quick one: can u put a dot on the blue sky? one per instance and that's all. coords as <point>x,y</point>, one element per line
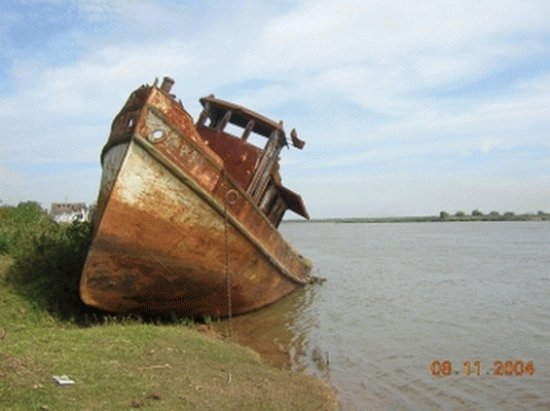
<point>407,108</point>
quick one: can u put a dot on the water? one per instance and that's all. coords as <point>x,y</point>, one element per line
<point>399,297</point>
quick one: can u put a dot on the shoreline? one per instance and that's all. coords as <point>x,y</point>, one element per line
<point>426,219</point>
<point>125,363</point>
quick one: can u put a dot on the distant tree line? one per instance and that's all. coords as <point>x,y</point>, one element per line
<point>493,216</point>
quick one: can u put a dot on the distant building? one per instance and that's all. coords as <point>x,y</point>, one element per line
<point>69,212</point>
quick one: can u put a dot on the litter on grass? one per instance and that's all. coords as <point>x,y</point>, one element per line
<point>63,380</point>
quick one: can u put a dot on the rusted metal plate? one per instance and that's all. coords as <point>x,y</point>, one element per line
<point>239,158</point>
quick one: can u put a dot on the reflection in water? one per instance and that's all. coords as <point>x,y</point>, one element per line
<point>279,333</point>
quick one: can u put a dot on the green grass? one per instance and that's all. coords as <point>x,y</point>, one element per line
<point>127,364</point>
<point>19,225</point>
<point>118,363</point>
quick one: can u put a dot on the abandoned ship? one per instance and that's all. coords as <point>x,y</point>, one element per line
<point>187,213</point>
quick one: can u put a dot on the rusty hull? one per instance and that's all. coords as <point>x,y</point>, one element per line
<point>173,229</point>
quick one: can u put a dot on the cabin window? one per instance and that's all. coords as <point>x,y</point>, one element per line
<point>222,122</point>
<point>233,130</point>
<point>257,140</point>
<point>237,132</point>
<point>211,122</point>
<point>277,210</point>
<point>266,203</point>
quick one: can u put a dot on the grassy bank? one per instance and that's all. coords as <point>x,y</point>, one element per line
<point>117,363</point>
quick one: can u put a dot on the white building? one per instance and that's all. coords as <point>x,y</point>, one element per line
<point>69,212</point>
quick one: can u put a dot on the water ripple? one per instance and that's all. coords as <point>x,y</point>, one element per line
<point>400,296</point>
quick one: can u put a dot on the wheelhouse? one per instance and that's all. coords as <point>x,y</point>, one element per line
<point>228,129</point>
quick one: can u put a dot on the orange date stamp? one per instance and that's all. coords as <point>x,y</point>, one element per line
<point>500,368</point>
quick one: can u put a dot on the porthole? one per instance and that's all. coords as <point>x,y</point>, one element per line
<point>156,135</point>
<point>231,197</point>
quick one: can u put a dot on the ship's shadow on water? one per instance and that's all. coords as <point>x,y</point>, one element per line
<point>279,332</point>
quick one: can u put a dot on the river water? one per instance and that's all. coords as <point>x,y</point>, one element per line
<point>405,306</point>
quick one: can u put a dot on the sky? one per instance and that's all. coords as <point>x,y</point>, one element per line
<point>406,107</point>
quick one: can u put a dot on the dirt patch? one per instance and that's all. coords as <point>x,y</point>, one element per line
<point>209,331</point>
<point>142,402</point>
<point>10,364</point>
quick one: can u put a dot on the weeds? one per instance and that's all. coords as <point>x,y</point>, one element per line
<point>47,268</point>
<point>19,225</point>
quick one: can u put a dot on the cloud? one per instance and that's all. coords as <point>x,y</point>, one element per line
<point>70,106</point>
<point>394,88</point>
